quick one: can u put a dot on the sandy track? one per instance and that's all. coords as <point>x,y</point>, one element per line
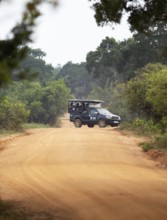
<point>83,174</point>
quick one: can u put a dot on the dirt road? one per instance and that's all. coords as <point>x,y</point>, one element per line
<point>83,174</point>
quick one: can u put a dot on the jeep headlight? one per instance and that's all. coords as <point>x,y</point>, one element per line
<point>108,116</point>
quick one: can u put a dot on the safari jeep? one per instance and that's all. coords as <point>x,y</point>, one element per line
<point>90,113</point>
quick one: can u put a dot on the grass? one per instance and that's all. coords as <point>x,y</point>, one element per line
<point>34,125</point>
<point>39,125</point>
<point>5,133</point>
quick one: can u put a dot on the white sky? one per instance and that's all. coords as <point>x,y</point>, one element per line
<point>65,33</point>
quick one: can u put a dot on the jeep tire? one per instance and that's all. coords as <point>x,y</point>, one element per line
<point>102,123</point>
<point>77,123</point>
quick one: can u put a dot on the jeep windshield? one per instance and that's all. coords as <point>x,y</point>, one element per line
<point>103,111</point>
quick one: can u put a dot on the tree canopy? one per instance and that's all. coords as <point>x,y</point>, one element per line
<point>14,49</point>
<point>118,60</point>
<point>76,78</point>
<point>141,14</point>
<point>36,66</point>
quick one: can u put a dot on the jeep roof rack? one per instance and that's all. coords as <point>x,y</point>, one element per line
<point>85,100</point>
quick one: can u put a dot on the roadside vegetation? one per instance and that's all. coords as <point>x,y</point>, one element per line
<point>131,78</point>
<point>40,101</point>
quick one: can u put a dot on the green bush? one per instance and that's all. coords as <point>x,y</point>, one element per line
<point>147,146</point>
<point>147,93</point>
<point>161,141</point>
<point>146,127</point>
<point>163,125</point>
<point>12,115</point>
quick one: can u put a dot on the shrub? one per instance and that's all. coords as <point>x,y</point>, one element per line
<point>163,125</point>
<point>147,146</point>
<point>143,126</point>
<point>161,141</point>
<point>12,115</point>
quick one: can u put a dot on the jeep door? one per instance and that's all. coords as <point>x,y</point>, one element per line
<point>85,116</point>
<point>93,114</point>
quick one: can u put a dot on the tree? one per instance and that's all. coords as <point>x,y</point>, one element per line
<point>141,14</point>
<point>37,53</point>
<point>157,91</point>
<point>107,53</point>
<point>36,66</point>
<point>54,100</point>
<point>14,49</point>
<point>154,42</point>
<point>146,93</point>
<point>118,60</point>
<point>113,61</point>
<point>76,78</point>
<point>105,60</point>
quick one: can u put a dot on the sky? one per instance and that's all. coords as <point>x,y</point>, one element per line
<point>66,32</point>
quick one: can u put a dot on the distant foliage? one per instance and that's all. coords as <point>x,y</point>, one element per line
<point>35,66</point>
<point>114,99</point>
<point>45,103</point>
<point>76,78</point>
<point>116,61</point>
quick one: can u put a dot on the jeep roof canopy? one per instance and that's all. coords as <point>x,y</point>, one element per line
<point>75,104</point>
<point>85,100</point>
